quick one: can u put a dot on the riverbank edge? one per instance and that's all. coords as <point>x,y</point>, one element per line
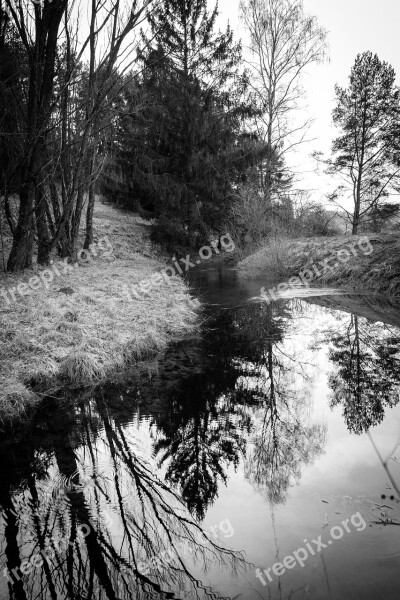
<point>81,327</point>
<point>368,262</point>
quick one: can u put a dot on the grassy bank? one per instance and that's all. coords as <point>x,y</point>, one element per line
<point>372,265</point>
<point>82,329</point>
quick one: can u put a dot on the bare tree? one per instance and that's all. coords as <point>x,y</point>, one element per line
<point>38,28</point>
<point>283,43</point>
<point>109,49</point>
<point>59,144</point>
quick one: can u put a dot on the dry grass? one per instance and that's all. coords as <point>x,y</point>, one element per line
<point>272,258</point>
<point>378,272</point>
<point>52,339</point>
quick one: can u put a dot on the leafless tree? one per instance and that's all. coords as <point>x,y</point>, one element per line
<point>284,41</point>
<point>45,29</point>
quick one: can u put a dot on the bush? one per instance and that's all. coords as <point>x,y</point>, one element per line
<point>171,235</point>
<point>312,220</point>
<point>249,222</point>
<point>254,223</point>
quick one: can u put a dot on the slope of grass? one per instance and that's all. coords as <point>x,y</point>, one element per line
<point>377,271</point>
<point>83,329</point>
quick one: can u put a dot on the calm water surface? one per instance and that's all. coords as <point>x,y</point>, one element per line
<point>260,459</point>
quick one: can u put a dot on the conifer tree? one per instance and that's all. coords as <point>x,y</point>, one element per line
<point>367,152</point>
<point>189,144</point>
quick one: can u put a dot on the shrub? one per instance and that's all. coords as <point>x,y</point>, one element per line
<point>249,222</point>
<point>171,235</point>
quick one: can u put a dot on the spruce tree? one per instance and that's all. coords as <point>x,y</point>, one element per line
<point>189,144</point>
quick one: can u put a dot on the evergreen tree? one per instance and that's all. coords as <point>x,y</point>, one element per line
<point>184,151</point>
<point>367,153</point>
<point>13,73</point>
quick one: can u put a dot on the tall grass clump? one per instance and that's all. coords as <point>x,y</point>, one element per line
<point>273,258</point>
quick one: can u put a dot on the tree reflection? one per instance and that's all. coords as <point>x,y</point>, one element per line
<point>140,543</point>
<point>283,442</point>
<point>198,452</point>
<point>241,394</point>
<point>367,377</point>
<point>203,431</point>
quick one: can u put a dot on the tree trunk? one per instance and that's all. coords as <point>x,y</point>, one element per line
<point>76,221</point>
<point>7,210</point>
<point>44,239</point>
<point>42,54</point>
<point>21,255</point>
<point>357,205</point>
<point>91,203</point>
<point>89,218</point>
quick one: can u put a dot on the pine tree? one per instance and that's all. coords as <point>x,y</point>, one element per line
<point>367,153</point>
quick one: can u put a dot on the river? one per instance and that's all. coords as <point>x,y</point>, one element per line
<point>258,459</point>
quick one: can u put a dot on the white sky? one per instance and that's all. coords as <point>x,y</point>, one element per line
<point>353,26</point>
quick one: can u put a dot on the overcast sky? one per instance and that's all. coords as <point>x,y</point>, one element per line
<point>353,26</point>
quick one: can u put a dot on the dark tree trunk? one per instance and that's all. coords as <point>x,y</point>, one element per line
<point>91,203</point>
<point>89,217</point>
<point>21,255</point>
<point>76,221</point>
<point>42,56</point>
<point>7,210</point>
<point>44,240</point>
<point>356,218</point>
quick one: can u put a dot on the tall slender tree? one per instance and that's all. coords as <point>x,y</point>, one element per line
<point>367,151</point>
<point>284,42</point>
<point>13,72</point>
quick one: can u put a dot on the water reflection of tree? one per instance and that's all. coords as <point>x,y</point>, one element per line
<point>283,442</point>
<point>199,449</point>
<point>240,395</point>
<point>367,379</point>
<point>135,519</point>
<point>235,397</point>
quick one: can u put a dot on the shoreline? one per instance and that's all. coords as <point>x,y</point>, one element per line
<point>75,328</point>
<point>354,263</point>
